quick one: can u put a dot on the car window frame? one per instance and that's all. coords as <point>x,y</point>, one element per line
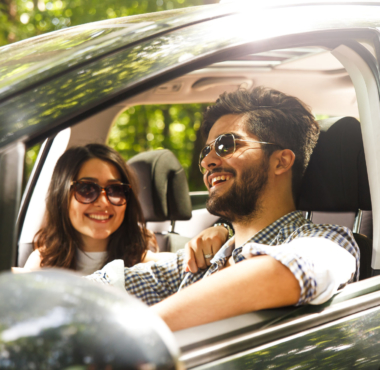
<point>11,173</point>
<point>329,38</point>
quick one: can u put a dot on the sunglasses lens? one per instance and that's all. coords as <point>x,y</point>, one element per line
<point>204,153</point>
<point>225,145</point>
<point>86,192</point>
<point>117,194</point>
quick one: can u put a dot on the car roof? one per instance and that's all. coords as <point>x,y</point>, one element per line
<point>34,59</point>
<point>145,49</point>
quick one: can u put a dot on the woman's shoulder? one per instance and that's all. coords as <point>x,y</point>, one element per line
<point>34,260</point>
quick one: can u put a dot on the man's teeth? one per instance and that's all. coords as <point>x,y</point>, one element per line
<point>219,178</point>
<point>100,217</point>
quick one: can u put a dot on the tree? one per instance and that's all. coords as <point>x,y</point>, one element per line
<point>20,19</point>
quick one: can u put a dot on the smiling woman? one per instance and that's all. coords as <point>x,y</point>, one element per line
<point>92,213</point>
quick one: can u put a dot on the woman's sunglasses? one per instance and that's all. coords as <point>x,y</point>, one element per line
<point>225,147</point>
<point>88,192</point>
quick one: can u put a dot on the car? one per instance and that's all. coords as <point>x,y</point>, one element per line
<point>68,87</point>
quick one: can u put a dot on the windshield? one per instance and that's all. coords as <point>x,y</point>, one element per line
<point>29,61</point>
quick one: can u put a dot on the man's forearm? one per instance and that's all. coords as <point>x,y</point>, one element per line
<point>251,285</point>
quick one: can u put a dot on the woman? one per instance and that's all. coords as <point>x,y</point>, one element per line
<point>92,214</point>
<point>93,217</point>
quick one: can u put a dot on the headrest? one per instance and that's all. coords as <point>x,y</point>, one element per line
<point>336,179</point>
<point>164,192</point>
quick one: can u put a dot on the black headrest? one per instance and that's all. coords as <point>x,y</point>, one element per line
<point>164,192</point>
<point>336,179</point>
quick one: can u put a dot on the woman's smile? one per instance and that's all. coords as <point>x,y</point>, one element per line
<point>99,217</point>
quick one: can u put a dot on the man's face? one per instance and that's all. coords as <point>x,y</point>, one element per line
<point>235,184</point>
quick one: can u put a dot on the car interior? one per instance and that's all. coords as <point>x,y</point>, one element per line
<point>336,188</point>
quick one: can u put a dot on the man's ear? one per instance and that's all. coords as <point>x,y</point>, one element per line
<point>283,161</point>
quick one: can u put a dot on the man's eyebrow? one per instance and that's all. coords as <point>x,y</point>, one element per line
<point>237,136</point>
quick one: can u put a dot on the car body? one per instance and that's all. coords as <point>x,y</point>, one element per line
<point>67,88</point>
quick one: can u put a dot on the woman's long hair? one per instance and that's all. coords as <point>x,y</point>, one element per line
<point>57,240</point>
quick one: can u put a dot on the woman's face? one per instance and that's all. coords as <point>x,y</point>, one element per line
<point>98,220</point>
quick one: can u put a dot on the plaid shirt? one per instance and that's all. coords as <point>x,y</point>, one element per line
<point>154,281</point>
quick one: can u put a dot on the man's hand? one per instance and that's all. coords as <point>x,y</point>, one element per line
<point>200,250</point>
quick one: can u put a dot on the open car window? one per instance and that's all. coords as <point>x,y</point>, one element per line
<point>331,69</point>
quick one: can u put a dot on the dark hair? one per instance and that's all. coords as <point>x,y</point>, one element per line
<point>273,117</point>
<point>57,240</point>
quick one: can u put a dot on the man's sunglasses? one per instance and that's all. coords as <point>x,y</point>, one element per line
<point>225,147</point>
<point>88,192</point>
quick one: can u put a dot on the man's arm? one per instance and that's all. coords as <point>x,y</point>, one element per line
<point>251,285</point>
<point>306,270</point>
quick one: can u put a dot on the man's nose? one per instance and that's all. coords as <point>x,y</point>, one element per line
<point>211,161</point>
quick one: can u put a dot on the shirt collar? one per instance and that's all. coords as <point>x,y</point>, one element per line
<point>284,226</point>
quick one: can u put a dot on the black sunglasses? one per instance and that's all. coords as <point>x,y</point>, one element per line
<point>87,192</point>
<point>225,147</point>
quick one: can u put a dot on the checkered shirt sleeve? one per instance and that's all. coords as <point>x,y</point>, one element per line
<point>303,269</point>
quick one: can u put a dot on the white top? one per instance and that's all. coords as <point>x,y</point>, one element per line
<point>89,262</point>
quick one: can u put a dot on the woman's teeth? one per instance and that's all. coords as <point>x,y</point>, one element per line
<point>219,179</point>
<point>100,217</point>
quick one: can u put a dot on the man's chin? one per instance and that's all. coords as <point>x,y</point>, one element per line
<point>215,208</point>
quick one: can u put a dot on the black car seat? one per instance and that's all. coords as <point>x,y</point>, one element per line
<point>163,193</point>
<point>336,179</point>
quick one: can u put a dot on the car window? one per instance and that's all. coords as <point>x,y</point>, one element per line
<point>171,126</point>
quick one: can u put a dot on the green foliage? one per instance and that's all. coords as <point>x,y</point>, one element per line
<point>30,159</point>
<point>174,127</point>
<point>20,19</point>
<point>318,117</point>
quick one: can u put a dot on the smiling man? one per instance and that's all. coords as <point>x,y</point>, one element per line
<point>258,146</point>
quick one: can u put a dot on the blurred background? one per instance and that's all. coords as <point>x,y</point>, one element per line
<point>21,19</point>
<point>140,128</point>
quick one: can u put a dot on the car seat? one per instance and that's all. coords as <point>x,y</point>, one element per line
<point>336,179</point>
<point>163,193</point>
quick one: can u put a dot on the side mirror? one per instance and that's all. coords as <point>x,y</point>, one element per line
<point>54,319</point>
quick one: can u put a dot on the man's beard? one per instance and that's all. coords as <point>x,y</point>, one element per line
<point>241,202</point>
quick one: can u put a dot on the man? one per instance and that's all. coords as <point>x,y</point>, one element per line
<point>258,147</point>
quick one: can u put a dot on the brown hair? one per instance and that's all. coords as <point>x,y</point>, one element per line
<point>57,240</point>
<point>273,117</point>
